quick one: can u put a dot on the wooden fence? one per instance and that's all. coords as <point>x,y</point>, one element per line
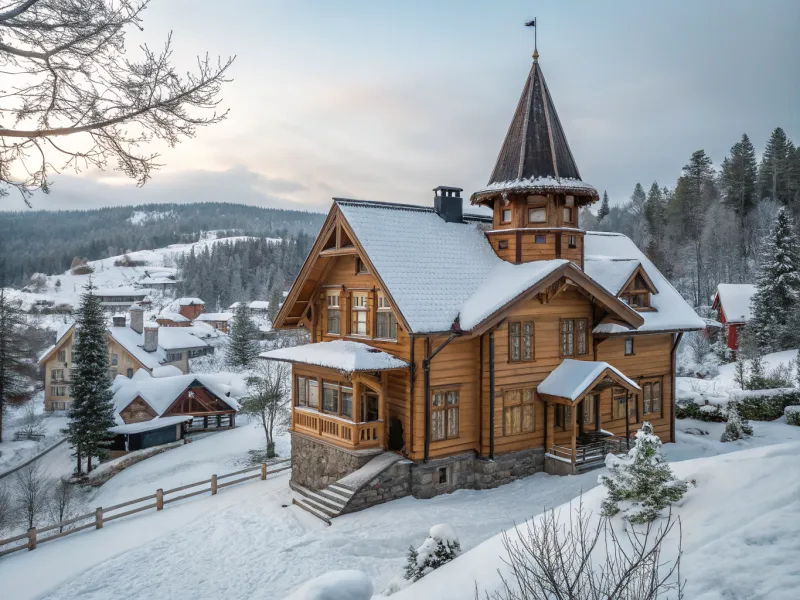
<point>101,515</point>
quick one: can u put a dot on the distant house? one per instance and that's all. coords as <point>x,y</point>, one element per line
<point>256,306</point>
<point>139,345</point>
<point>172,319</point>
<point>732,303</point>
<point>121,297</point>
<point>218,321</point>
<point>189,307</point>
<point>158,280</point>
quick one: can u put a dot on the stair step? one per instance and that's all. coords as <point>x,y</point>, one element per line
<point>335,505</point>
<point>319,507</point>
<point>340,489</point>
<point>333,497</point>
<point>309,509</point>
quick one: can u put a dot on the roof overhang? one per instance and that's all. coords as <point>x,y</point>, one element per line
<point>573,380</point>
<point>339,355</point>
<point>584,192</point>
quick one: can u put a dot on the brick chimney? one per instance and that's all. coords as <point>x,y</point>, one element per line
<point>448,204</point>
<point>150,336</point>
<point>137,317</point>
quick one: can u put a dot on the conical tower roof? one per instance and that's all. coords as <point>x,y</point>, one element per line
<point>535,155</point>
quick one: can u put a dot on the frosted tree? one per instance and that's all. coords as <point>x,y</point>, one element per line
<point>774,170</point>
<point>639,231</point>
<point>12,356</point>
<point>739,190</point>
<point>92,411</point>
<point>243,347</point>
<point>275,300</point>
<point>777,297</point>
<point>604,209</point>
<point>736,428</point>
<point>440,547</point>
<point>797,368</point>
<point>269,390</point>
<point>640,485</point>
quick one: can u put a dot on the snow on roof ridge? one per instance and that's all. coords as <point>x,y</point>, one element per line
<point>402,206</point>
<point>572,377</point>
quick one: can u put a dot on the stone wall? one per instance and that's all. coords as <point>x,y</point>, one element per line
<point>316,464</point>
<point>553,466</point>
<point>393,483</point>
<point>508,467</point>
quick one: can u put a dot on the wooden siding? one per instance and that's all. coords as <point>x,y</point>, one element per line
<point>137,411</point>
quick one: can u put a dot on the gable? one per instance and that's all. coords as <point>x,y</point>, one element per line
<point>63,338</point>
<point>197,399</point>
<point>137,411</point>
<point>638,281</point>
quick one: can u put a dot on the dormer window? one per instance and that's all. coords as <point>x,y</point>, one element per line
<point>638,290</point>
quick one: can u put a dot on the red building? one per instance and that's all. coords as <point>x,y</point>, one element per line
<point>732,303</point>
<point>190,308</point>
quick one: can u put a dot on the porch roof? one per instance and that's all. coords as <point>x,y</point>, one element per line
<point>572,379</point>
<point>340,355</point>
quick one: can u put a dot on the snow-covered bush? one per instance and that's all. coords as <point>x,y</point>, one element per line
<point>696,358</point>
<point>792,415</point>
<point>640,485</point>
<point>440,547</point>
<point>336,585</point>
<point>688,409</point>
<point>736,427</point>
<point>765,405</point>
<point>761,378</point>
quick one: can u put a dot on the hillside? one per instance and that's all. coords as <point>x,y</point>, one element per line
<point>46,241</point>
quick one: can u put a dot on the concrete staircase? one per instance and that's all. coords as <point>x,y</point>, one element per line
<point>323,504</point>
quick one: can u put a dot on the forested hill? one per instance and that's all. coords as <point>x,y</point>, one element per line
<point>46,242</point>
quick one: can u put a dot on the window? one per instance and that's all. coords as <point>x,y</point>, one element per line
<point>313,393</point>
<point>444,415</point>
<point>618,403</point>
<point>59,405</point>
<point>628,346</point>
<point>651,398</point>
<point>442,475</point>
<point>571,242</point>
<point>568,214</point>
<point>347,402</point>
<point>519,414</point>
<point>588,409</point>
<point>301,392</point>
<point>369,407</point>
<point>502,244</point>
<point>114,360</point>
<point>387,324</point>
<point>129,373</point>
<point>359,312</point>
<point>540,239</point>
<point>537,214</point>
<point>563,416</point>
<point>361,268</point>
<point>62,355</point>
<point>505,215</point>
<point>330,397</point>
<point>574,337</point>
<point>333,313</point>
<point>57,374</point>
<point>174,356</point>
<point>520,341</point>
<point>58,390</point>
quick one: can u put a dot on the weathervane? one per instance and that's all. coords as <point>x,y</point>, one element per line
<point>535,50</point>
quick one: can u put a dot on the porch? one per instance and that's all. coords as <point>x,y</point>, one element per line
<point>577,429</point>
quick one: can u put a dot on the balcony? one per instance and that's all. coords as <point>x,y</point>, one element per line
<point>348,434</point>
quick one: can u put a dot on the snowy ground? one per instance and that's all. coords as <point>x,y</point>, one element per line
<point>244,543</point>
<point>14,453</point>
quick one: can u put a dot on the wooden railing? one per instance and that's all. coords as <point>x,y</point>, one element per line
<point>103,515</point>
<point>341,432</point>
<point>590,452</point>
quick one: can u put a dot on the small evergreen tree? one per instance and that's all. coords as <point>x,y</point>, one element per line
<point>736,428</point>
<point>92,412</point>
<point>243,348</point>
<point>604,209</point>
<point>440,547</point>
<point>12,357</point>
<point>777,297</point>
<point>275,299</point>
<point>740,373</point>
<point>757,373</point>
<point>642,484</point>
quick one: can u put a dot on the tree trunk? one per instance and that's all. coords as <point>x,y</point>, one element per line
<point>80,466</point>
<point>89,464</point>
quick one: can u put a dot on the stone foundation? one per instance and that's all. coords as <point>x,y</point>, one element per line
<point>393,483</point>
<point>316,464</point>
<point>554,466</point>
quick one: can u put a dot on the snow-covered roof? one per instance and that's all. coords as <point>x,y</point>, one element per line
<point>430,267</point>
<point>603,253</point>
<point>132,342</point>
<point>201,330</point>
<point>151,425</point>
<point>612,273</point>
<point>63,330</point>
<point>177,338</point>
<point>341,355</point>
<point>188,301</point>
<point>121,291</point>
<point>222,316</point>
<point>173,316</point>
<point>539,185</point>
<point>735,300</point>
<point>160,392</point>
<point>166,371</point>
<point>572,377</point>
<point>259,304</point>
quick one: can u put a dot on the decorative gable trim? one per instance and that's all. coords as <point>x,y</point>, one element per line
<point>645,277</point>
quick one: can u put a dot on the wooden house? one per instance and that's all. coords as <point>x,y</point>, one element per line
<point>219,321</point>
<point>732,303</point>
<point>482,348</point>
<point>172,319</point>
<point>190,308</point>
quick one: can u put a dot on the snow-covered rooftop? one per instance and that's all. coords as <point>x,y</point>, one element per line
<point>602,262</point>
<point>540,184</point>
<point>132,342</point>
<point>151,425</point>
<point>221,316</point>
<point>177,338</point>
<point>121,291</point>
<point>187,301</point>
<point>735,299</point>
<point>173,316</point>
<point>572,377</point>
<point>341,355</point>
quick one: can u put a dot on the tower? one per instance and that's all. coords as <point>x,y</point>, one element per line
<point>535,190</point>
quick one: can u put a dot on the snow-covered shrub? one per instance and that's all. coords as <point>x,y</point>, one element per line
<point>736,427</point>
<point>640,485</point>
<point>440,547</point>
<point>761,378</point>
<point>336,585</point>
<point>766,405</point>
<point>687,409</point>
<point>696,358</point>
<point>792,415</point>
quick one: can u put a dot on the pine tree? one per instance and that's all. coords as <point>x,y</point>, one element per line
<point>12,359</point>
<point>243,347</point>
<point>92,411</point>
<point>777,296</point>
<point>275,300</point>
<point>738,182</point>
<point>604,209</point>
<point>774,170</point>
<point>736,428</point>
<point>642,484</point>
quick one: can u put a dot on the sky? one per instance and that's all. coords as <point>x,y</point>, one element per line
<point>387,100</point>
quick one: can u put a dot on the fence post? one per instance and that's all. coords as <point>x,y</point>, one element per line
<point>98,518</point>
<point>159,499</point>
<point>213,484</point>
<point>263,471</point>
<point>32,538</point>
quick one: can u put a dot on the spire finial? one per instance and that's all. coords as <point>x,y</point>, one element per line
<point>535,49</point>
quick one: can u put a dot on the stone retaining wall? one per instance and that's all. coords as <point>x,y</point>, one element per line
<point>393,483</point>
<point>316,464</point>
